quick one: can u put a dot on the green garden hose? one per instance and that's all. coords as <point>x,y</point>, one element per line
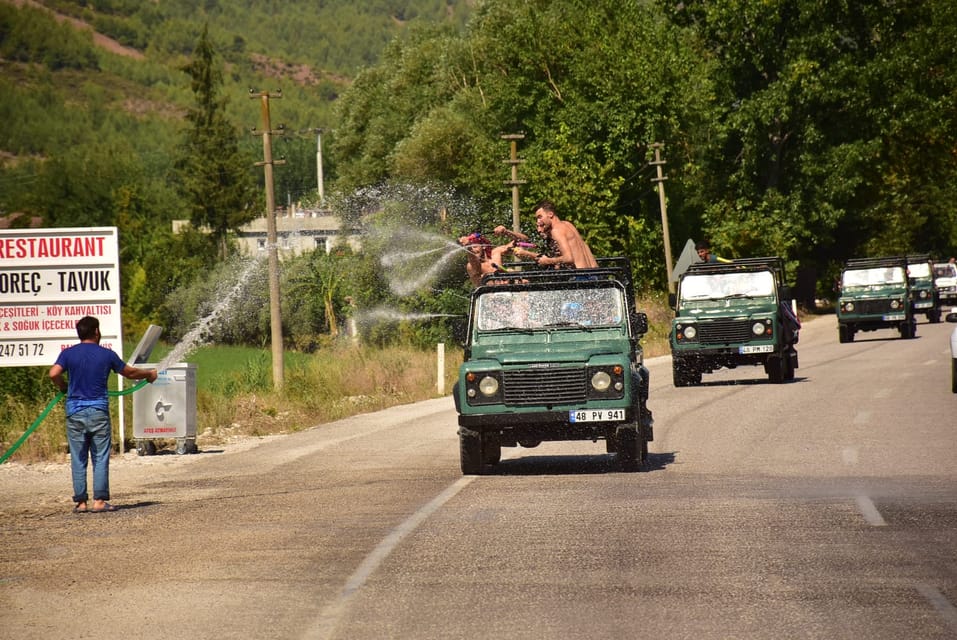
<point>43,415</point>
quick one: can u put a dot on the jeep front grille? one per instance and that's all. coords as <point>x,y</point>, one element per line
<point>545,386</point>
<point>724,331</point>
<point>872,307</point>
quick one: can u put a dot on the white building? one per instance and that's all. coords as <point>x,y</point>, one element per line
<point>297,231</point>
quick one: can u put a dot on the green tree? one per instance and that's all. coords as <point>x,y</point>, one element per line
<point>214,177</point>
<point>837,126</point>
<point>591,85</point>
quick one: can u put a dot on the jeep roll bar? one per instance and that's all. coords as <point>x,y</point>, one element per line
<point>521,273</point>
<point>869,263</point>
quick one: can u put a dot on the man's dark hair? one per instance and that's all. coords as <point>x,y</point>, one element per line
<point>86,327</point>
<point>547,205</point>
<point>702,244</point>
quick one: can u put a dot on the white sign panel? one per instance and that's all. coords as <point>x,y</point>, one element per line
<point>49,279</point>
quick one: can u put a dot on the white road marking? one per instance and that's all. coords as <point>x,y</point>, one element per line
<point>849,455</point>
<point>943,606</point>
<point>870,512</point>
<point>326,623</point>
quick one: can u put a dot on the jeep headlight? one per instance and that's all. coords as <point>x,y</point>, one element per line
<point>483,387</point>
<point>895,304</point>
<point>690,332</point>
<point>607,382</point>
<point>488,386</point>
<point>923,293</point>
<point>758,328</point>
<point>601,381</point>
<point>849,306</point>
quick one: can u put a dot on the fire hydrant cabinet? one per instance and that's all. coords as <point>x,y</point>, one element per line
<point>166,410</point>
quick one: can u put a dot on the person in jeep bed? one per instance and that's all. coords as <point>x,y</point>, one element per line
<point>565,248</point>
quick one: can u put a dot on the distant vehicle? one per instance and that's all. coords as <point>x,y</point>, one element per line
<point>945,277</point>
<point>733,314</point>
<point>925,298</point>
<point>875,294</point>
<point>952,317</point>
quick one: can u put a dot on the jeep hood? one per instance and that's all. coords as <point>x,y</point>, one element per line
<point>546,347</point>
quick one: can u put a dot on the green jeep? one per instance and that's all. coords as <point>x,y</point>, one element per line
<point>925,298</point>
<point>875,294</point>
<point>554,355</point>
<point>733,314</point>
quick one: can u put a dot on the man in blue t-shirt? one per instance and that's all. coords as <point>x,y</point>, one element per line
<point>88,427</point>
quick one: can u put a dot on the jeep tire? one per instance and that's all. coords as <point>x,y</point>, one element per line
<point>632,448</point>
<point>845,333</point>
<point>491,449</point>
<point>683,374</point>
<point>908,329</point>
<point>470,452</point>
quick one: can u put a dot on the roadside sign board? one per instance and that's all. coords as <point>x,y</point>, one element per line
<point>49,279</point>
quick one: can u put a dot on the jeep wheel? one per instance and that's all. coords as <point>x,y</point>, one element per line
<point>845,333</point>
<point>491,449</point>
<point>684,376</point>
<point>627,445</point>
<point>774,367</point>
<point>470,453</point>
<point>789,364</point>
<point>933,316</point>
<point>632,448</point>
<point>953,375</point>
<point>908,329</point>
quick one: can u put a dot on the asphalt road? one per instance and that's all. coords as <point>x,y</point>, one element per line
<point>821,508</point>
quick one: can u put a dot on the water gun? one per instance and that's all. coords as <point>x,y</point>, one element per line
<point>525,245</point>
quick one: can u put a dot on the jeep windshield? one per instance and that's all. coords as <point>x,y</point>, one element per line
<point>945,270</point>
<point>532,309</point>
<point>874,277</point>
<point>919,271</point>
<point>720,286</point>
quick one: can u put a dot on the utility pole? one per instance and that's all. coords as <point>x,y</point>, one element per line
<point>660,180</point>
<point>322,192</point>
<point>514,160</point>
<point>275,314</point>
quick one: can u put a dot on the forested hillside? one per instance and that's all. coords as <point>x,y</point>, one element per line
<point>96,100</point>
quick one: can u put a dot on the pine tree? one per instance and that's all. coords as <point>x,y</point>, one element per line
<point>213,176</point>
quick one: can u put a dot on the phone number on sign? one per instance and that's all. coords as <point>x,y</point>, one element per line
<point>21,349</point>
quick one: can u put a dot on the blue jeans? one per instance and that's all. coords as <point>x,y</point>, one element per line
<point>91,436</point>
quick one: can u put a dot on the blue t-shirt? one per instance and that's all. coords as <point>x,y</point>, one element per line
<point>88,367</point>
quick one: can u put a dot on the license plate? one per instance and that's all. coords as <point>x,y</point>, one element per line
<point>596,415</point>
<point>890,317</point>
<point>756,348</point>
<point>923,305</point>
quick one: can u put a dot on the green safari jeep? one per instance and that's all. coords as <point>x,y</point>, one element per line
<point>733,314</point>
<point>875,294</point>
<point>553,355</point>
<point>925,297</point>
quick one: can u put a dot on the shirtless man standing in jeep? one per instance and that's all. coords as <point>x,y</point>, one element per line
<point>564,241</point>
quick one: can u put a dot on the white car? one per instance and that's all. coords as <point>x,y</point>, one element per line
<point>945,277</point>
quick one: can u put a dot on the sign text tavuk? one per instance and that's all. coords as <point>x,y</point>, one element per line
<point>49,279</point>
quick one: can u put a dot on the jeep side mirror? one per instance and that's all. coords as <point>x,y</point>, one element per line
<point>639,324</point>
<point>785,292</point>
<point>672,300</point>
